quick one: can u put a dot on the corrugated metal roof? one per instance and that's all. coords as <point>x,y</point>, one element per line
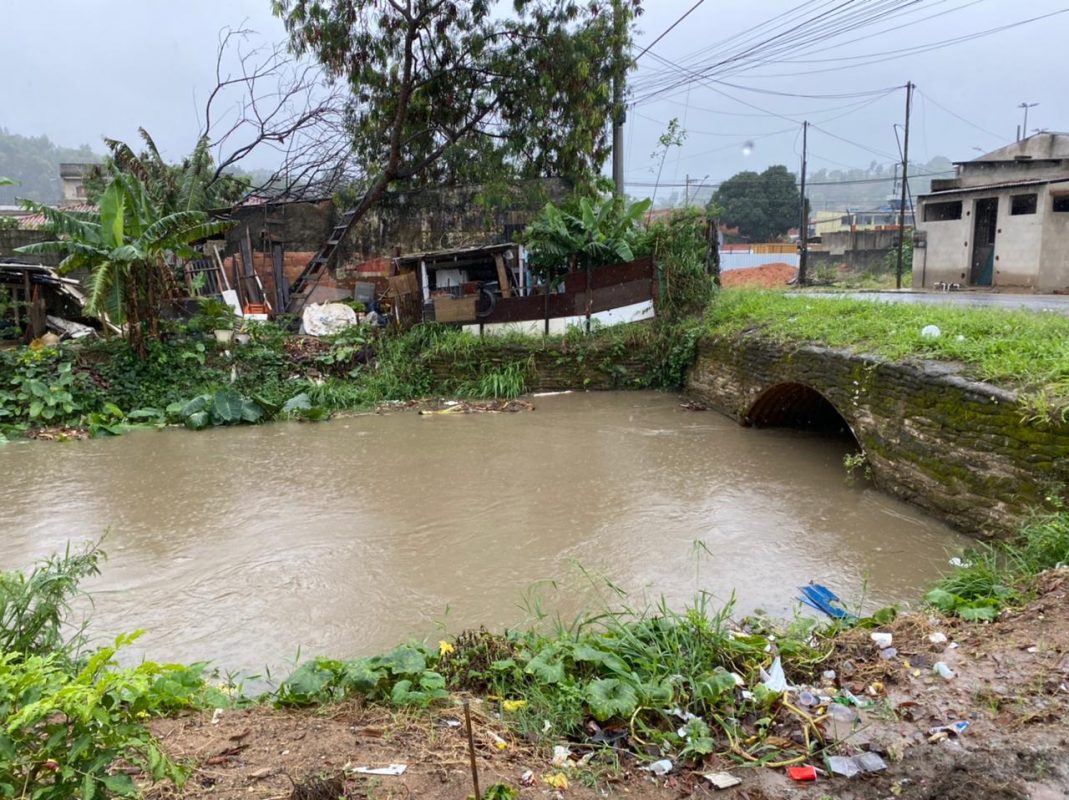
<point>988,187</point>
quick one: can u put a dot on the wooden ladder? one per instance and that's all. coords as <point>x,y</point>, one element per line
<point>302,288</point>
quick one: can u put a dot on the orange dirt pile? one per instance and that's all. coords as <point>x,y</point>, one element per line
<point>768,276</point>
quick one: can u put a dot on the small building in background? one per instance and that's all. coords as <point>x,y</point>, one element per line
<point>72,181</point>
<point>1002,222</point>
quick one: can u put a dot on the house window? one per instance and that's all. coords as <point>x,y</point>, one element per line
<point>939,212</point>
<point>1060,204</point>
<point>1023,204</point>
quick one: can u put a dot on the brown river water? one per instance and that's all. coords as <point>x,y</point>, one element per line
<point>342,538</point>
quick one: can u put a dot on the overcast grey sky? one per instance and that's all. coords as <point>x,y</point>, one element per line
<point>81,69</point>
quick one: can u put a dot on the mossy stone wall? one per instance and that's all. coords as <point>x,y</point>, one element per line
<point>551,368</point>
<point>958,448</point>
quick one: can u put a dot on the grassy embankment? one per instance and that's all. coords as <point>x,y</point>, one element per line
<point>1021,350</point>
<point>103,388</point>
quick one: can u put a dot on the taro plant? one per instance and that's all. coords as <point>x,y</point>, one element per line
<point>225,407</point>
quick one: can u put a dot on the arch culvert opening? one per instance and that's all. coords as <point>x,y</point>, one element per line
<point>795,405</point>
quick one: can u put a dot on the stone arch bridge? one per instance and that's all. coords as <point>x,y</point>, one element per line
<point>962,450</point>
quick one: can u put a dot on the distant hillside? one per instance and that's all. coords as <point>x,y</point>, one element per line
<point>864,189</point>
<point>34,162</point>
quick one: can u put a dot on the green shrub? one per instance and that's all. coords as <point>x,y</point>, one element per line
<point>64,732</point>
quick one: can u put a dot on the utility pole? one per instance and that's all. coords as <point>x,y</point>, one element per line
<point>1024,129</point>
<point>905,180</point>
<point>803,226</point>
<point>619,19</point>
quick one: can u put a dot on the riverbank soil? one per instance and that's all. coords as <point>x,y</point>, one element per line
<point>1010,684</point>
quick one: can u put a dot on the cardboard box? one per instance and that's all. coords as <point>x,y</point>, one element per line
<point>455,309</point>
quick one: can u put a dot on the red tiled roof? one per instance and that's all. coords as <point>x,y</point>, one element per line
<point>36,222</point>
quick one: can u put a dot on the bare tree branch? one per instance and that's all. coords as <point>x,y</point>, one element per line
<point>267,102</point>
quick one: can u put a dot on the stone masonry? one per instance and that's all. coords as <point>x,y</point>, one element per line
<point>960,449</point>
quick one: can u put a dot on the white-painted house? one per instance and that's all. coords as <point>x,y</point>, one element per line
<point>1003,221</point>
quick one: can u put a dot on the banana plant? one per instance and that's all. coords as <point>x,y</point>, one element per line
<point>127,245</point>
<point>584,234</point>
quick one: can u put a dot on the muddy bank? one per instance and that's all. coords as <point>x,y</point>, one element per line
<point>1010,686</point>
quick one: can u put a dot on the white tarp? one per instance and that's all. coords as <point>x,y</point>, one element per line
<point>327,319</point>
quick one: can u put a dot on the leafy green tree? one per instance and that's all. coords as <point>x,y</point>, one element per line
<point>127,245</point>
<point>764,206</point>
<point>445,91</point>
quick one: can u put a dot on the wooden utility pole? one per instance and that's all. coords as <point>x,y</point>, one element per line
<point>905,183</point>
<point>619,19</point>
<point>803,225</point>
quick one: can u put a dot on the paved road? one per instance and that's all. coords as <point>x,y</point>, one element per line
<point>1057,304</point>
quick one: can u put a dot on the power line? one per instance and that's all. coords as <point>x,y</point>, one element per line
<point>929,98</point>
<point>669,30</point>
<point>854,182</point>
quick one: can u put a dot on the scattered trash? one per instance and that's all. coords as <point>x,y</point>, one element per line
<point>67,329</point>
<point>1032,649</point>
<point>889,653</point>
<point>806,773</point>
<point>958,562</point>
<point>823,599</point>
<point>499,743</point>
<point>937,638</point>
<point>953,729</point>
<point>557,780</point>
<point>774,680</point>
<point>882,640</point>
<point>807,698</point>
<point>841,713</point>
<point>550,394</point>
<point>560,756</point>
<point>870,762</point>
<point>659,768</point>
<point>931,332</point>
<point>722,780</point>
<point>828,674</point>
<point>843,766</point>
<point>940,668</point>
<point>393,770</point>
<point>216,716</point>
<point>451,723</point>
<point>852,698</point>
<point>527,778</point>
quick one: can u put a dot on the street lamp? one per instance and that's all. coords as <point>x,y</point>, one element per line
<point>1026,106</point>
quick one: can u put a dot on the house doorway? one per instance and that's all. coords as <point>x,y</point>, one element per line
<point>985,213</point>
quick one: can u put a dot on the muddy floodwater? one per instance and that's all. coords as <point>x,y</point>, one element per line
<point>342,538</point>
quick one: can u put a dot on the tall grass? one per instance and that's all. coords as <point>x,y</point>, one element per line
<point>34,607</point>
<point>997,575</point>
